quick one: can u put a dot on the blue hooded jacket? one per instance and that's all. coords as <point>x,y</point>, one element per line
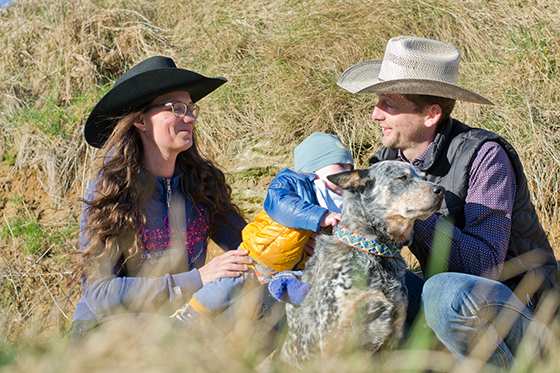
<point>291,201</point>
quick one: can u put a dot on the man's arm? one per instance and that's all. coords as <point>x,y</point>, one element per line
<point>480,247</point>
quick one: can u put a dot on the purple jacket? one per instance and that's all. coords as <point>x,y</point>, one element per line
<point>165,273</point>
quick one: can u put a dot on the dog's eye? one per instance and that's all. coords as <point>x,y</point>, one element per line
<point>403,177</point>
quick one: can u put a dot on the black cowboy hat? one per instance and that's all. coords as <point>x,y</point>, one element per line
<point>140,85</point>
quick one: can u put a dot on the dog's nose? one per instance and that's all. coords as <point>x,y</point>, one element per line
<point>437,190</point>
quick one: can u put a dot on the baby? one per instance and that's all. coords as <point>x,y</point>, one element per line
<point>297,204</point>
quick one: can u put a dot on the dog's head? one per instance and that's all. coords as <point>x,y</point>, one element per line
<point>387,196</point>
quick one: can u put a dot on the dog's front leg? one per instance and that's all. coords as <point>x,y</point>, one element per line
<point>373,320</point>
<point>399,318</point>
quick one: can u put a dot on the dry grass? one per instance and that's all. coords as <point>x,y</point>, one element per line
<point>282,59</point>
<point>155,345</point>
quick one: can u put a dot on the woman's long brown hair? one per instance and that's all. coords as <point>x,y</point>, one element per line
<point>114,213</point>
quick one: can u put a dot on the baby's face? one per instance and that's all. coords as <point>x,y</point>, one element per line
<point>332,169</point>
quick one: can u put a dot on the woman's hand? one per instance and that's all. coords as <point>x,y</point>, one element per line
<point>309,247</point>
<point>229,264</point>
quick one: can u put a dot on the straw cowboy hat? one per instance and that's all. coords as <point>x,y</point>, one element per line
<point>411,65</point>
<point>140,85</point>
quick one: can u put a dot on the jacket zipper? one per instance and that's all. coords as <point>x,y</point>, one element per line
<point>168,192</point>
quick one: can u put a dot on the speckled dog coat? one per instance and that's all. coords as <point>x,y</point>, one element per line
<point>358,296</point>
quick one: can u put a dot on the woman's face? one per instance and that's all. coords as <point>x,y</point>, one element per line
<point>163,134</point>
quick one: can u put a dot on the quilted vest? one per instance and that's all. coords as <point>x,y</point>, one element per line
<point>448,163</point>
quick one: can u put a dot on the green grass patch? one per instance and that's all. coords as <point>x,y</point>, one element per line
<point>47,117</point>
<point>16,199</point>
<point>9,158</point>
<point>34,237</point>
<point>28,229</point>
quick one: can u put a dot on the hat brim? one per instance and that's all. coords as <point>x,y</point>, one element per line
<point>364,78</point>
<point>141,90</point>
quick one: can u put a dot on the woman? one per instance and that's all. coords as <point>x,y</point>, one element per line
<point>155,201</point>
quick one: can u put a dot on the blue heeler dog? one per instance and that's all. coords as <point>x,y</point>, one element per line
<point>357,294</point>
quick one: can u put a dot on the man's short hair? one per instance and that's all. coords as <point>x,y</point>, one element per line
<point>421,102</point>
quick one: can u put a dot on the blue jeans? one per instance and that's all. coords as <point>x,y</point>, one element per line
<point>478,317</point>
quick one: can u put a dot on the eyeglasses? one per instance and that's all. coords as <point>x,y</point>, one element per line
<point>180,109</point>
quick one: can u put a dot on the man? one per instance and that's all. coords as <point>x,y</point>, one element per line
<point>493,259</point>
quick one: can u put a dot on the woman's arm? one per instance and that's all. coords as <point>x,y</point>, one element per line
<point>105,292</point>
<point>113,294</point>
<point>228,234</point>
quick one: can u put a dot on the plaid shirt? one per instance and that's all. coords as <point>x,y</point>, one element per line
<point>480,247</point>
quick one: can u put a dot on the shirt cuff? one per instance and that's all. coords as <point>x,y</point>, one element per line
<point>185,284</point>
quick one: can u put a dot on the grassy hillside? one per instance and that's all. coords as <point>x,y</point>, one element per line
<point>282,59</point>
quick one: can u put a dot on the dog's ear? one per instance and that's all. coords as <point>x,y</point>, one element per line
<point>351,180</point>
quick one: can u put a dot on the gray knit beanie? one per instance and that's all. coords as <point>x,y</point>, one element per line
<point>320,150</point>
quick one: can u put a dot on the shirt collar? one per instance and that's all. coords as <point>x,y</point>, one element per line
<point>418,161</point>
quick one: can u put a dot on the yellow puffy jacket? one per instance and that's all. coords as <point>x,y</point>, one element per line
<point>273,245</point>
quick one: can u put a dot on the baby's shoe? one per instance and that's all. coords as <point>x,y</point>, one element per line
<point>287,287</point>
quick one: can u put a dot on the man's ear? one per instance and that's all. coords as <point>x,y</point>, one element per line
<point>351,180</point>
<point>433,115</point>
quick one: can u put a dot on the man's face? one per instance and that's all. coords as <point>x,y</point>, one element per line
<point>403,127</point>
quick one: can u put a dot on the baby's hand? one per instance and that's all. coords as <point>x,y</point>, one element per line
<point>330,218</point>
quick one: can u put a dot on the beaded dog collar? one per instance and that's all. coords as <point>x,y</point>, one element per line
<point>363,243</point>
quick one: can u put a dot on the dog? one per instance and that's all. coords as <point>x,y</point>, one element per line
<point>358,295</point>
